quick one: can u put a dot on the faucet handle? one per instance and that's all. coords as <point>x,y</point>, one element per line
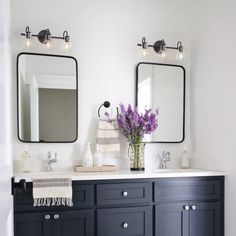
<point>166,155</point>
<point>49,154</point>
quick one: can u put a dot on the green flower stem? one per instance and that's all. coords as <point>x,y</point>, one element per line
<point>137,150</point>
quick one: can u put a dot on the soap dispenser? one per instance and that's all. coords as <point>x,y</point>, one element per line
<point>88,158</point>
<point>185,160</point>
<point>97,157</point>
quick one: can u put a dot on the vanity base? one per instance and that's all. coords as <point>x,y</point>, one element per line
<point>185,206</point>
<point>137,169</point>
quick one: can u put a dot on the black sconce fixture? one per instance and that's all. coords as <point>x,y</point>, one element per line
<point>45,37</point>
<point>160,48</point>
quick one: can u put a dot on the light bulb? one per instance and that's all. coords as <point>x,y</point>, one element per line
<point>163,54</point>
<point>48,44</point>
<point>67,45</point>
<point>180,56</point>
<point>28,42</point>
<point>144,52</point>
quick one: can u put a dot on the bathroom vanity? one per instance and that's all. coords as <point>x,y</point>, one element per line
<point>168,203</point>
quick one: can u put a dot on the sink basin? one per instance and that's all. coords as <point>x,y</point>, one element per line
<point>47,174</point>
<point>173,170</point>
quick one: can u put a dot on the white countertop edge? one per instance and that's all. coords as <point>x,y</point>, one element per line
<point>120,174</point>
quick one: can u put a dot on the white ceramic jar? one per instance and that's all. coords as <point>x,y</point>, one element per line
<point>88,158</point>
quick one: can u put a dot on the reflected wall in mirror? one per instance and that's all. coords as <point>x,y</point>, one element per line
<point>162,87</point>
<point>47,98</point>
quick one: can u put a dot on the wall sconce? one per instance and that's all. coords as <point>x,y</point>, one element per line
<point>45,37</point>
<point>160,48</point>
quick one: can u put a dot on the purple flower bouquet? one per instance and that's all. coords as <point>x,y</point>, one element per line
<point>134,125</point>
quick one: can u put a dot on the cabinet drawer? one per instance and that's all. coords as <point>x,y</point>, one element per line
<point>83,196</point>
<point>187,189</point>
<point>125,221</point>
<point>125,193</point>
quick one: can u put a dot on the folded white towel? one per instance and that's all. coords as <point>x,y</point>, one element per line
<point>108,136</point>
<point>52,191</point>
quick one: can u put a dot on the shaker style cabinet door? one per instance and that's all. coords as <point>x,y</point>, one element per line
<point>67,223</point>
<point>135,221</point>
<point>171,220</point>
<point>73,223</point>
<point>196,219</point>
<point>32,224</point>
<point>205,219</point>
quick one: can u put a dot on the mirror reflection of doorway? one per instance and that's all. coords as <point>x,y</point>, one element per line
<point>47,98</point>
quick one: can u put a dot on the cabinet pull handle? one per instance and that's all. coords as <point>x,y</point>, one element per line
<point>125,193</point>
<point>125,225</point>
<point>47,217</point>
<point>186,207</point>
<point>56,216</point>
<point>193,207</point>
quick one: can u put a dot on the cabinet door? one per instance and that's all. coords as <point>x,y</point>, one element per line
<point>135,221</point>
<point>205,219</point>
<point>73,223</point>
<point>36,224</point>
<point>171,220</point>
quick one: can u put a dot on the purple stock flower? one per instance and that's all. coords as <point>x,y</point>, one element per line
<point>135,125</point>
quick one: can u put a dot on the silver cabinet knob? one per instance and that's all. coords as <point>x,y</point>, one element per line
<point>125,225</point>
<point>125,193</point>
<point>47,217</point>
<point>56,216</point>
<point>193,207</point>
<point>186,207</point>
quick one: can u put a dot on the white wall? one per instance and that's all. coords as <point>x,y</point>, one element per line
<point>104,35</point>
<point>5,122</point>
<point>213,99</point>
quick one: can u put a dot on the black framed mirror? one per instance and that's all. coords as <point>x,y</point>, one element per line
<point>162,87</point>
<point>47,98</point>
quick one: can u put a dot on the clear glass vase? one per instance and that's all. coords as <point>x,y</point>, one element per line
<point>136,155</point>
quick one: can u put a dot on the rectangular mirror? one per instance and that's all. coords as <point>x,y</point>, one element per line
<point>47,98</point>
<point>162,87</point>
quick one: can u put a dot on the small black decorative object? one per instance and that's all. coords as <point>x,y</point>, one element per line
<point>106,104</point>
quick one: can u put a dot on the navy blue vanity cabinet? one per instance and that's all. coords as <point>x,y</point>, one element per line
<point>171,220</point>
<point>189,206</point>
<point>60,223</point>
<point>73,223</point>
<point>32,224</point>
<point>181,220</point>
<point>55,221</point>
<point>205,219</point>
<point>130,208</point>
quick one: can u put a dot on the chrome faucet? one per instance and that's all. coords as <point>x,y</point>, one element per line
<point>165,157</point>
<point>51,160</point>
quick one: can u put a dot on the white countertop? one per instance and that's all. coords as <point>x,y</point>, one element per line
<point>169,173</point>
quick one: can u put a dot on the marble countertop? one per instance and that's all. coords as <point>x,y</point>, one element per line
<point>169,173</point>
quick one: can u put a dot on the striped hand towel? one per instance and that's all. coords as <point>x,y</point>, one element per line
<point>52,191</point>
<point>108,136</point>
